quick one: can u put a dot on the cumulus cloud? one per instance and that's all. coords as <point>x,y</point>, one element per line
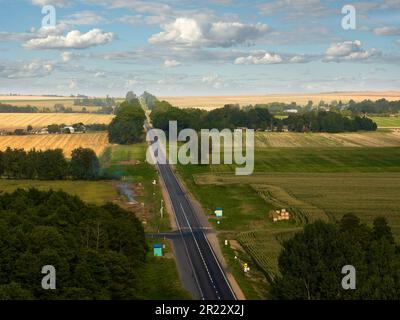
<point>200,32</point>
<point>171,63</point>
<point>349,50</point>
<point>266,58</point>
<point>260,57</point>
<point>73,40</point>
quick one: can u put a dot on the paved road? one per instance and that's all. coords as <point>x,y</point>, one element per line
<point>210,279</point>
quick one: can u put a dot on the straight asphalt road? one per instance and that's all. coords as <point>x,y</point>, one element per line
<point>210,280</point>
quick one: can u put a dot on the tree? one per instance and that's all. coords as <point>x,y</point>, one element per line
<point>130,96</point>
<point>84,164</point>
<point>127,126</point>
<point>310,263</point>
<point>382,230</point>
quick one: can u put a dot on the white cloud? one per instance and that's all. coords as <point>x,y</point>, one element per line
<point>171,63</point>
<point>298,59</point>
<point>58,3</point>
<point>266,58</point>
<point>214,81</point>
<point>33,69</point>
<point>200,32</point>
<point>387,31</point>
<point>349,50</point>
<point>73,40</point>
<point>99,74</point>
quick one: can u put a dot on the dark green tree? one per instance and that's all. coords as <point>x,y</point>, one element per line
<point>84,164</point>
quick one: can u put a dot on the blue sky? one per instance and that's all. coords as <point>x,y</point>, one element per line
<point>210,47</point>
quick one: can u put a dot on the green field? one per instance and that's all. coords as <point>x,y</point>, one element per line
<point>311,181</point>
<point>387,122</point>
<point>96,192</point>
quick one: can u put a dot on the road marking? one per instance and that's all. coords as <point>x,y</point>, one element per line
<point>198,248</point>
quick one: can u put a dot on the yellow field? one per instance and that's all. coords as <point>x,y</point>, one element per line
<point>12,121</point>
<point>301,99</point>
<point>68,142</point>
<point>44,102</point>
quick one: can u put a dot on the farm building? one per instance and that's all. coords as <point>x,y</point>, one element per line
<point>68,129</point>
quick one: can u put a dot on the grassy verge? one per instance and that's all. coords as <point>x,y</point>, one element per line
<point>161,277</point>
<point>127,163</point>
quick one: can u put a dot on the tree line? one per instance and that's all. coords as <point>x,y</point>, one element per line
<point>311,262</point>
<point>49,164</point>
<point>381,106</point>
<point>7,108</point>
<point>98,253</point>
<point>232,117</point>
<point>98,102</point>
<point>328,121</point>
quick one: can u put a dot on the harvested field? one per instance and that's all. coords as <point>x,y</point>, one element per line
<point>68,142</point>
<point>12,121</point>
<point>317,140</point>
<point>212,102</point>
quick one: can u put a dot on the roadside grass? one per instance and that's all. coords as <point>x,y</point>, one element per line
<point>127,163</point>
<point>96,192</point>
<point>160,276</point>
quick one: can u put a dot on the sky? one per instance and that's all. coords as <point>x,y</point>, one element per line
<point>209,47</point>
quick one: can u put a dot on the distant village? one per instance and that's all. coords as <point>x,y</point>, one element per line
<point>77,128</point>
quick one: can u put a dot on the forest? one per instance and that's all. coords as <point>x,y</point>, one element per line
<point>98,251</point>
